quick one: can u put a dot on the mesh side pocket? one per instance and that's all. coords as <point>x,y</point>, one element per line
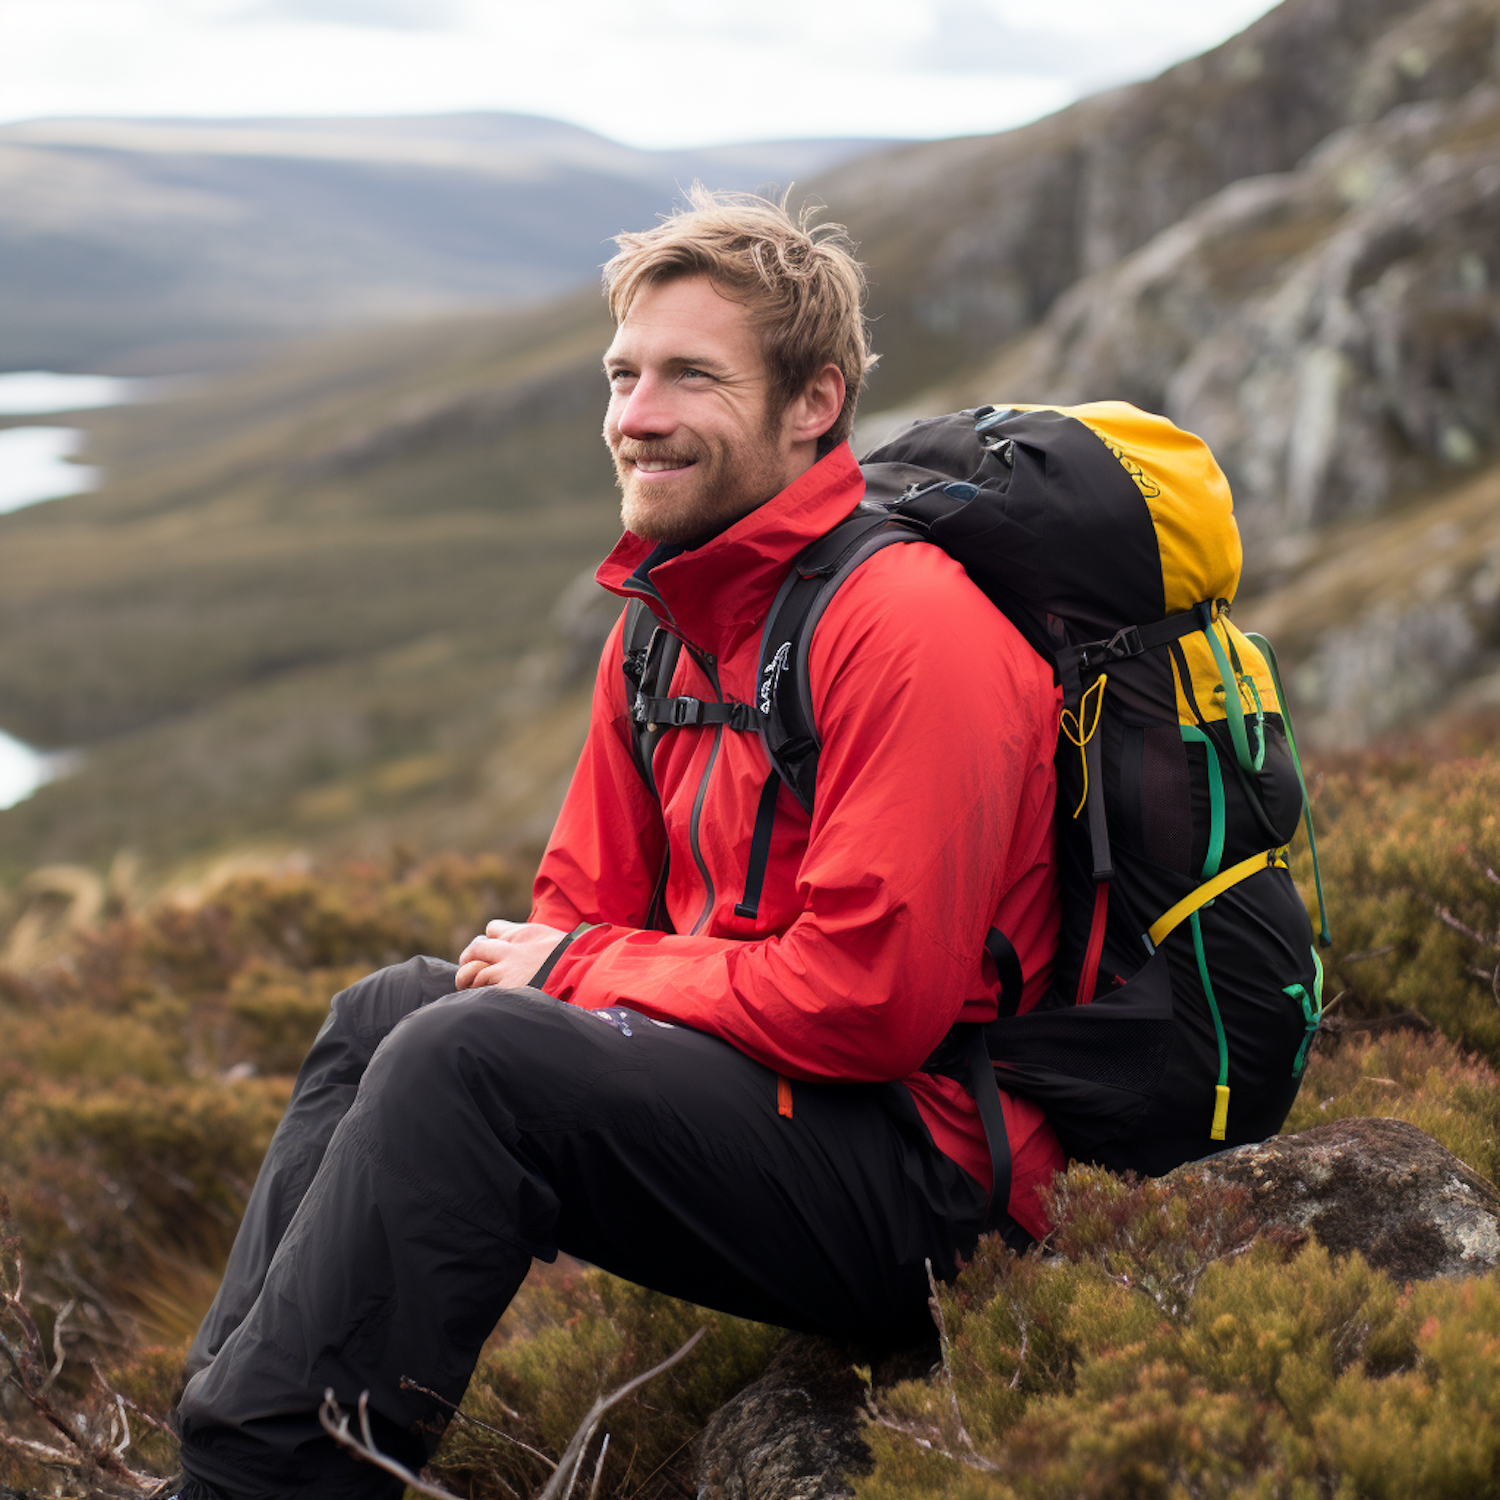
<point>1166,800</point>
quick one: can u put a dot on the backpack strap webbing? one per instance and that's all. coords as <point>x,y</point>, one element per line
<point>784,696</point>
<point>1175,916</point>
<point>650,658</point>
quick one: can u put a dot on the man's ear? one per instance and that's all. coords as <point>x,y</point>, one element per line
<point>819,405</point>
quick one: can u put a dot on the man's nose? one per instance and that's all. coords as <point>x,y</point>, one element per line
<point>646,410</point>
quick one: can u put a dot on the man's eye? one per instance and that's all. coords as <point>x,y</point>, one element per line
<point>617,376</point>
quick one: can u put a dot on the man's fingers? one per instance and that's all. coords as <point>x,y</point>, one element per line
<point>501,928</point>
<point>467,974</point>
<point>487,948</point>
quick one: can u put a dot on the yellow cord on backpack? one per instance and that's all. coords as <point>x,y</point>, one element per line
<point>1077,735</point>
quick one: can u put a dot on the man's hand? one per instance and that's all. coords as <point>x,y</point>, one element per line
<point>507,955</point>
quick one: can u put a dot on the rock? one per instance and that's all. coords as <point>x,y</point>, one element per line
<point>1381,1187</point>
<point>792,1435</point>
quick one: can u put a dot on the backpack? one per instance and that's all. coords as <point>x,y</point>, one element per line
<point>1186,989</point>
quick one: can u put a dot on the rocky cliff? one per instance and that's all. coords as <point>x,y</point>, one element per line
<point>1291,246</point>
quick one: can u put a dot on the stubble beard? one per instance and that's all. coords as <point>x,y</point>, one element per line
<point>724,483</point>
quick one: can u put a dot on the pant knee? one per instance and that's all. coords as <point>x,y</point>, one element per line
<point>499,1051</point>
<point>363,1015</point>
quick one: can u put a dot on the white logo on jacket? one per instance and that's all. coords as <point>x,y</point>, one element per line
<point>772,675</point>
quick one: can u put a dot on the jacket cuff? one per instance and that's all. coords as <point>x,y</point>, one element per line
<point>538,979</point>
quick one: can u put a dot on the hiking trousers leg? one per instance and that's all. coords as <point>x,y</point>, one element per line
<point>359,1019</point>
<point>491,1126</point>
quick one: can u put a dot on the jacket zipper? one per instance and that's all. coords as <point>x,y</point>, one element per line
<point>708,664</point>
<point>710,671</point>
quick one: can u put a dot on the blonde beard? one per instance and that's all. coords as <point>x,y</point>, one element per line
<point>709,505</point>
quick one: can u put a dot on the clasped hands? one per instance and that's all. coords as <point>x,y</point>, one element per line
<point>507,955</point>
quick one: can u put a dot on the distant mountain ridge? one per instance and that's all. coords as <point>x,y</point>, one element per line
<point>342,597</point>
<point>151,246</point>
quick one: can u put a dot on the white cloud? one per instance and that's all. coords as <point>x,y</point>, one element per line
<point>654,73</point>
<point>395,15</point>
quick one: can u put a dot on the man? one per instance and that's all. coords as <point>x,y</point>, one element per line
<point>728,1107</point>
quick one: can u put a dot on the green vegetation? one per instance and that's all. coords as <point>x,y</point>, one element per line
<point>1153,1360</point>
<point>311,605</point>
<point>1154,1350</point>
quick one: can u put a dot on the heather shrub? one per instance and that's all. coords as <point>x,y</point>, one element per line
<point>1411,870</point>
<point>147,1063</point>
<point>1423,1078</point>
<point>1159,1349</point>
<point>1153,1347</point>
<point>572,1337</point>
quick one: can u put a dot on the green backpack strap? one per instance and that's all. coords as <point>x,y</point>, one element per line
<point>1262,645</point>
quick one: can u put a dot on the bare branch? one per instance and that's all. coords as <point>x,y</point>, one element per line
<point>1448,919</point>
<point>1366,953</point>
<point>1024,1325</point>
<point>140,1411</point>
<point>573,1454</point>
<point>598,1468</point>
<point>928,1438</point>
<point>41,1451</point>
<point>60,1357</point>
<point>408,1384</point>
<point>935,1302</point>
<point>335,1422</point>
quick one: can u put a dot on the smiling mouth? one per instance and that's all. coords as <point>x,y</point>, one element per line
<point>662,465</point>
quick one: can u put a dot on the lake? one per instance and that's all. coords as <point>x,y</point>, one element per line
<point>23,770</point>
<point>36,463</point>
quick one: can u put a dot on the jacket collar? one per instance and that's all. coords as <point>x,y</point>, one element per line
<point>716,592</point>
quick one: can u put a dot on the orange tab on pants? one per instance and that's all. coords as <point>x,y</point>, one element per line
<point>784,1097</point>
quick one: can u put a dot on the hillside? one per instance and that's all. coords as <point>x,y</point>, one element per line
<point>332,600</point>
<point>144,247</point>
<point>1288,245</point>
<point>312,595</point>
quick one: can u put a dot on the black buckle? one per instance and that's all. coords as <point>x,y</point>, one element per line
<point>685,711</point>
<point>1123,643</point>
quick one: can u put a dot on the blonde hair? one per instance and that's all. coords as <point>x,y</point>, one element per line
<point>800,281</point>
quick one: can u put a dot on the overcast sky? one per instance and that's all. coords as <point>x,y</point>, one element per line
<point>649,72</point>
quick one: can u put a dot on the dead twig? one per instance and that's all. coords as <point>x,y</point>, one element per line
<point>336,1423</point>
<point>573,1453</point>
<point>1448,919</point>
<point>1023,1323</point>
<point>598,1467</point>
<point>32,1375</point>
<point>60,1357</point>
<point>1365,954</point>
<point>140,1411</point>
<point>976,1459</point>
<point>408,1384</point>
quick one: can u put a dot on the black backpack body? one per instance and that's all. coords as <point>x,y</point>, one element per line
<point>1186,988</point>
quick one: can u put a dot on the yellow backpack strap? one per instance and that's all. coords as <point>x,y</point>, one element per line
<point>1164,924</point>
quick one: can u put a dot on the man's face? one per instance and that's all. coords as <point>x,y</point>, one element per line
<point>689,424</point>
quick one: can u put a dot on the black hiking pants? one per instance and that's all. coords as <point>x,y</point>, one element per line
<point>436,1142</point>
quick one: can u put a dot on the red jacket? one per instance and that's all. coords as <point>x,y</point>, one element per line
<point>932,822</point>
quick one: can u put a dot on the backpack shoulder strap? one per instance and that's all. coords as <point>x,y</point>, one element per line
<point>784,693</point>
<point>650,657</point>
